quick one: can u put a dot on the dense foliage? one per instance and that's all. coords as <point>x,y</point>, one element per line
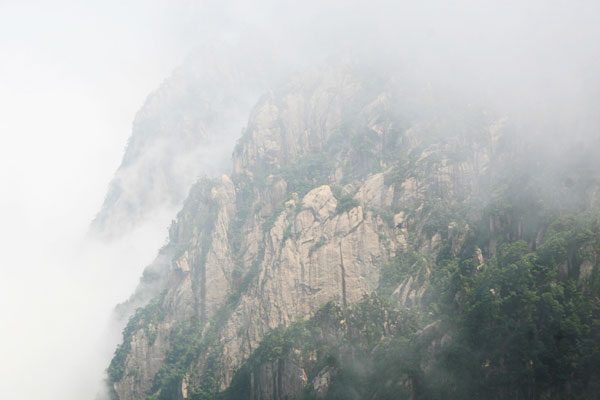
<point>523,331</point>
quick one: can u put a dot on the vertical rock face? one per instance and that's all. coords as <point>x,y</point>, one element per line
<point>291,121</point>
<point>323,256</point>
<point>280,378</point>
<point>336,192</point>
<point>185,129</point>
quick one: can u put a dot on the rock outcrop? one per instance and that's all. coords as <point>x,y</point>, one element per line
<point>335,194</point>
<point>185,129</point>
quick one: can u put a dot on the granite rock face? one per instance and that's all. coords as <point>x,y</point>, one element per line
<point>331,182</point>
<point>185,129</point>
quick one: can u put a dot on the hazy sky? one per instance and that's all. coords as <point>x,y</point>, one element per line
<point>73,74</point>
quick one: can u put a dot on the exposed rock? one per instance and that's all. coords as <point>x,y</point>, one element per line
<point>293,280</point>
<point>373,192</point>
<point>271,244</point>
<point>321,202</point>
<point>143,362</point>
<point>399,220</point>
<point>585,271</point>
<point>321,383</point>
<point>185,129</point>
<point>587,266</point>
<point>478,257</point>
<point>279,379</point>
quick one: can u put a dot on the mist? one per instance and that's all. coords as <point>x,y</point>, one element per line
<point>71,79</point>
<point>73,76</point>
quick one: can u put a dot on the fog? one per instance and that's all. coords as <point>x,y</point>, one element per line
<point>71,79</point>
<point>73,75</point>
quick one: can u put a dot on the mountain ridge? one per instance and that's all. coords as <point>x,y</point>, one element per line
<point>356,190</point>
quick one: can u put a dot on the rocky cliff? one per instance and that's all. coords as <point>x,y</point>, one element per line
<point>184,130</point>
<point>361,216</point>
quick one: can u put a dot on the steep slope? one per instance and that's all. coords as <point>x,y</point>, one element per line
<point>184,130</point>
<point>382,200</point>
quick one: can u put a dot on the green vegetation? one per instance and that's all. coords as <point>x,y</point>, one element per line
<point>195,338</point>
<point>336,335</point>
<point>511,328</point>
<point>270,222</point>
<point>438,218</point>
<point>144,318</point>
<point>398,270</point>
<point>287,233</point>
<point>523,324</point>
<point>519,326</point>
<point>187,344</point>
<point>307,173</point>
<point>346,203</point>
<point>319,243</point>
<point>386,215</point>
<point>520,329</point>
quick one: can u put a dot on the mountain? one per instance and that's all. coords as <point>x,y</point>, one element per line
<point>377,237</point>
<point>184,130</point>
